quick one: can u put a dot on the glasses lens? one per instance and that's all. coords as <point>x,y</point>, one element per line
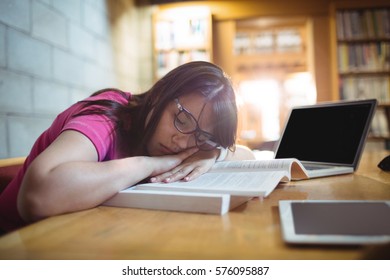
<point>204,141</point>
<point>185,122</point>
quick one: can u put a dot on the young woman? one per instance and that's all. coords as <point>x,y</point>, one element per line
<point>112,140</point>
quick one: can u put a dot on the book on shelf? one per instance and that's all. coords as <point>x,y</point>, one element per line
<point>358,24</point>
<point>365,87</point>
<point>227,185</point>
<point>380,125</point>
<point>168,60</point>
<point>363,57</point>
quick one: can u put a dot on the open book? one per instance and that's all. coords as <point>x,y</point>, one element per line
<point>227,185</point>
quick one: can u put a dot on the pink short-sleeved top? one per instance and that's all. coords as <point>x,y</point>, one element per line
<point>99,130</point>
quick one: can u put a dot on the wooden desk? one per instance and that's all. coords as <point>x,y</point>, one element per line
<point>12,161</point>
<point>251,231</point>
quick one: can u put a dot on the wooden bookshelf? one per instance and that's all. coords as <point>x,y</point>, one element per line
<point>181,35</point>
<point>261,49</point>
<point>270,48</point>
<point>362,52</point>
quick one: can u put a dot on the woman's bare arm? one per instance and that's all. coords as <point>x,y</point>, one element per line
<point>67,177</point>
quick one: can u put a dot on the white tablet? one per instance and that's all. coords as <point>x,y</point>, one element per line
<point>335,221</point>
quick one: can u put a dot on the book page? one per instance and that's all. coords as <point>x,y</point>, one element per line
<point>235,183</point>
<point>254,165</point>
<point>290,165</point>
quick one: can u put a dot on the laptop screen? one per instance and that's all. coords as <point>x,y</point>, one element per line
<point>327,133</point>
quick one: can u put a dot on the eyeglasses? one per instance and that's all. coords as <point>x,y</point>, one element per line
<point>186,123</point>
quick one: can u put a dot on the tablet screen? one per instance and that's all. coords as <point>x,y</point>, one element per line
<point>349,222</point>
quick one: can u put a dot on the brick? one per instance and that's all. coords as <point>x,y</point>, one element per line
<point>78,94</point>
<point>71,9</point>
<point>68,68</point>
<point>16,13</point>
<point>82,42</point>
<point>50,97</point>
<point>3,137</point>
<point>2,46</point>
<point>95,20</point>
<point>23,131</point>
<point>97,77</point>
<point>28,54</point>
<point>49,25</point>
<point>104,54</point>
<point>15,92</point>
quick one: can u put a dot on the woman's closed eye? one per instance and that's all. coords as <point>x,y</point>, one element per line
<point>186,122</point>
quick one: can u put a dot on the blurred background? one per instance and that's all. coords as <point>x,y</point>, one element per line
<point>279,54</point>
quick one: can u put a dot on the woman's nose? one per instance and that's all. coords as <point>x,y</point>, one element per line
<point>184,141</point>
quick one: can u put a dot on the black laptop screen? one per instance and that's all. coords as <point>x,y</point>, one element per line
<point>326,133</point>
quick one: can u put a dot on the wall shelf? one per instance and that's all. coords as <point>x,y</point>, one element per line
<point>181,35</point>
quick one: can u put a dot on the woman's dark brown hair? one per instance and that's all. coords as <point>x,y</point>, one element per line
<point>199,76</point>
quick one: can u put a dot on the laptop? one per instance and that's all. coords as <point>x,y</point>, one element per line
<point>328,138</point>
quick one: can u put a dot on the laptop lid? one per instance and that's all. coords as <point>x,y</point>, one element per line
<point>327,133</point>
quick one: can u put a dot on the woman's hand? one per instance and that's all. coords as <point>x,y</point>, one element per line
<point>198,164</point>
<point>165,164</point>
<point>191,168</point>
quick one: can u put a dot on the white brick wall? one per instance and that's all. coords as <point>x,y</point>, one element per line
<point>49,25</point>
<point>68,68</point>
<point>16,13</point>
<point>15,93</point>
<point>55,52</point>
<point>22,129</point>
<point>2,46</point>
<point>3,138</point>
<point>27,54</point>
<point>56,96</point>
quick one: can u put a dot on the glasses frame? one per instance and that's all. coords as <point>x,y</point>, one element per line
<point>197,131</point>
